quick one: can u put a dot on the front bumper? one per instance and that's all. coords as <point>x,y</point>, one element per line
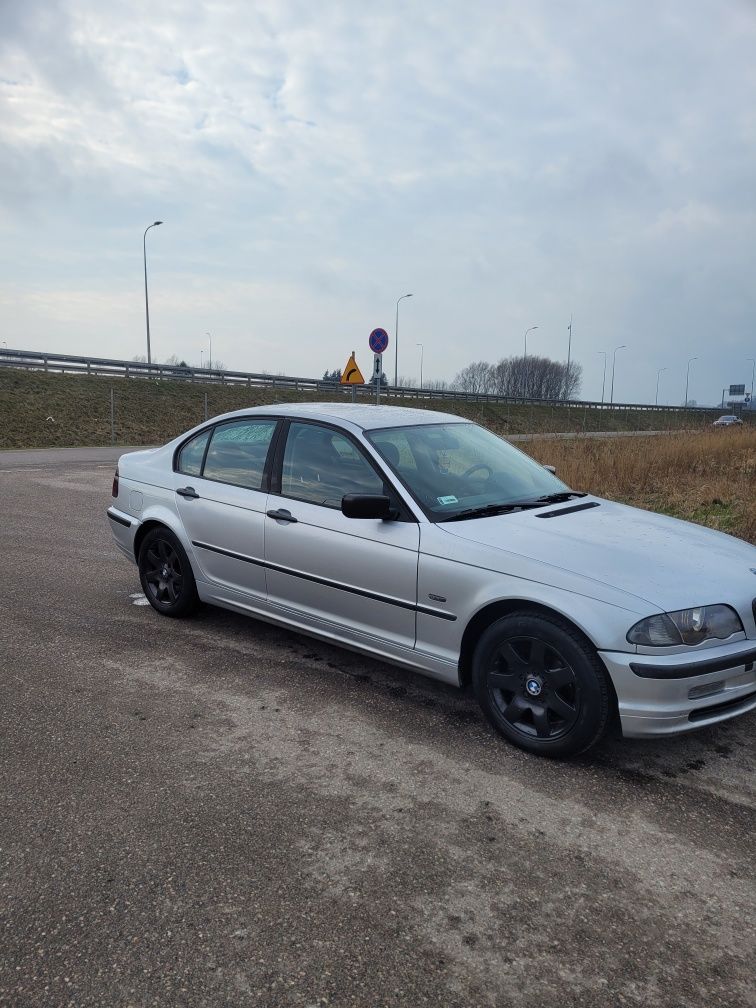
<point>663,695</point>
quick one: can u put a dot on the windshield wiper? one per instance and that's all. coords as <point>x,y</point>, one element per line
<point>485,510</point>
<point>490,509</point>
<point>557,498</point>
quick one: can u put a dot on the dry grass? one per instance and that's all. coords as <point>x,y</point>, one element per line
<point>708,477</point>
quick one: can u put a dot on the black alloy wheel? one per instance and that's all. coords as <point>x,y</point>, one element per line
<point>541,685</point>
<point>166,574</point>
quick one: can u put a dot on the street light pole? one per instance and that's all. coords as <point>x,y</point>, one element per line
<point>210,361</point>
<point>146,301</point>
<point>614,361</point>
<point>603,380</point>
<point>526,338</point>
<point>656,400</point>
<point>753,369</point>
<point>421,364</point>
<point>569,351</point>
<point>396,340</point>
<point>525,389</point>
<point>687,379</point>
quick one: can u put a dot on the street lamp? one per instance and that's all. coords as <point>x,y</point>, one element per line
<point>656,400</point>
<point>753,369</point>
<point>210,359</point>
<point>421,363</point>
<point>614,361</point>
<point>525,389</point>
<point>201,354</point>
<point>687,379</point>
<point>396,340</point>
<point>146,301</point>
<point>526,337</point>
<point>603,380</point>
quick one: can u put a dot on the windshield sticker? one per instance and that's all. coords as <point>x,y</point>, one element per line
<point>447,500</point>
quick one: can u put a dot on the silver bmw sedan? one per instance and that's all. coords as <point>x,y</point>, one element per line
<point>425,540</point>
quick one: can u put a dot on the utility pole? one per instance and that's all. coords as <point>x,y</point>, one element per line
<point>569,350</point>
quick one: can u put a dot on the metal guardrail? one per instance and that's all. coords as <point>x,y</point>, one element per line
<point>69,364</point>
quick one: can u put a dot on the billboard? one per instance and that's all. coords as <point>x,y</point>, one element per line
<point>737,389</point>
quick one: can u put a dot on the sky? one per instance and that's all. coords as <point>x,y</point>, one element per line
<point>509,164</point>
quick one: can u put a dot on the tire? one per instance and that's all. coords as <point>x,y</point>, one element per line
<point>541,685</point>
<point>166,574</point>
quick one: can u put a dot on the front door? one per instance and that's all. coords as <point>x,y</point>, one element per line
<point>353,578</point>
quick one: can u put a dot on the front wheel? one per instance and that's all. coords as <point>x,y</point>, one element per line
<point>541,685</point>
<point>166,574</point>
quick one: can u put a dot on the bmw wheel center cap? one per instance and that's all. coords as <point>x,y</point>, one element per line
<point>534,687</point>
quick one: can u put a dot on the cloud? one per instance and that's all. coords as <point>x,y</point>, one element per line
<point>512,163</point>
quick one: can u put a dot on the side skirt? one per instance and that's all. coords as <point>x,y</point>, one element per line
<point>332,633</point>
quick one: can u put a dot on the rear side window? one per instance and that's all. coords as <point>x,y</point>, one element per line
<point>190,456</point>
<point>238,451</point>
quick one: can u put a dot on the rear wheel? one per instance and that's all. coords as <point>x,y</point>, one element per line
<point>166,574</point>
<point>541,685</point>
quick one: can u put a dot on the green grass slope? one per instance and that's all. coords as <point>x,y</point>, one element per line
<point>154,411</point>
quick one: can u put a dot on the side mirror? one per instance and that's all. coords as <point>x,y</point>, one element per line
<point>551,469</point>
<point>366,506</point>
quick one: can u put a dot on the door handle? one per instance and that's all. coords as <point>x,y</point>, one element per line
<point>282,515</point>
<point>188,492</point>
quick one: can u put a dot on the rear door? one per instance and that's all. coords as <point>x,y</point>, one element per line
<point>221,490</point>
<point>355,578</point>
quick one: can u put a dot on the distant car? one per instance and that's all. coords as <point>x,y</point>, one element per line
<point>427,541</point>
<point>727,421</point>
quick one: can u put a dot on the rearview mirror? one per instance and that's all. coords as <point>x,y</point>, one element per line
<point>366,506</point>
<point>551,469</point>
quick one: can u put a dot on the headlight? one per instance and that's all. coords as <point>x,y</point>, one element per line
<point>686,626</point>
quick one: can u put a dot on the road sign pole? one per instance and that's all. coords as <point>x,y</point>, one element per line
<point>378,342</point>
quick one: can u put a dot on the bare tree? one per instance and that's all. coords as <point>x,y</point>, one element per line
<point>475,378</point>
<point>522,377</point>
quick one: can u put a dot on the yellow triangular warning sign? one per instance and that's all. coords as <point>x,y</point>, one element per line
<point>351,375</point>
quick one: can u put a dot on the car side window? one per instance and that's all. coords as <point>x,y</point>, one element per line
<point>190,456</point>
<point>320,466</point>
<point>238,451</point>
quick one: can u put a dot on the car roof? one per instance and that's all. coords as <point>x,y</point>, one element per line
<point>361,415</point>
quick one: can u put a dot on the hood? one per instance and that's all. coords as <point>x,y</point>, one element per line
<point>669,563</point>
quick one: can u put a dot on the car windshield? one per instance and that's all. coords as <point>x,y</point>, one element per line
<point>453,468</point>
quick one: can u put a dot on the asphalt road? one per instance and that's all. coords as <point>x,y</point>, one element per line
<point>217,812</point>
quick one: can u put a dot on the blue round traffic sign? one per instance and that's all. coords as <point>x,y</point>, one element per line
<point>378,341</point>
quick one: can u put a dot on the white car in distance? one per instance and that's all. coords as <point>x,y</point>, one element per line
<point>425,540</point>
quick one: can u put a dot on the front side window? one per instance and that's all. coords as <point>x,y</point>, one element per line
<point>238,451</point>
<point>452,467</point>
<point>320,466</point>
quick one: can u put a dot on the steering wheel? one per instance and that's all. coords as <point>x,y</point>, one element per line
<point>474,468</point>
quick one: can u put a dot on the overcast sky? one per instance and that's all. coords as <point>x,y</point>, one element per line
<point>510,164</point>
